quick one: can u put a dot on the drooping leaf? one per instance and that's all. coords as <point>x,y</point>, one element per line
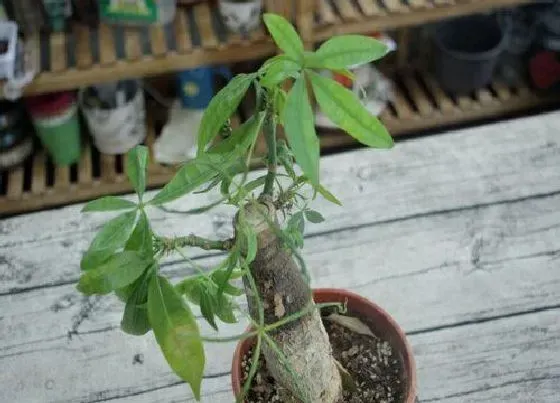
<point>296,222</point>
<point>223,276</point>
<point>299,125</point>
<point>344,51</point>
<point>221,107</point>
<point>136,164</point>
<point>351,323</point>
<point>327,195</point>
<point>141,238</point>
<point>345,110</point>
<point>117,272</point>
<point>224,309</point>
<point>135,318</point>
<point>207,308</point>
<point>242,137</point>
<point>314,216</point>
<point>286,158</point>
<point>191,288</point>
<point>279,70</point>
<point>108,203</point>
<point>193,174</point>
<point>176,332</point>
<point>112,236</point>
<point>284,35</point>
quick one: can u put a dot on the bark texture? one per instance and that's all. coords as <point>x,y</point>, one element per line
<point>284,291</point>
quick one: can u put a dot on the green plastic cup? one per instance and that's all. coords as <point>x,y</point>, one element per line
<point>56,122</point>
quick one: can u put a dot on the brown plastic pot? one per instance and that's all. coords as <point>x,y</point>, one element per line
<point>382,324</point>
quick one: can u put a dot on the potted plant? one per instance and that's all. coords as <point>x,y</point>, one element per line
<point>240,15</point>
<point>287,327</point>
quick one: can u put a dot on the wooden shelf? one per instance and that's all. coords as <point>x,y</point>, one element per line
<point>334,17</point>
<point>83,56</point>
<point>419,104</point>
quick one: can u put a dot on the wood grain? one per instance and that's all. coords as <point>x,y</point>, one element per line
<point>369,7</point>
<point>107,52</point>
<point>377,186</point>
<point>158,41</point>
<point>446,265</point>
<point>204,23</point>
<point>58,52</point>
<point>455,235</point>
<point>83,50</point>
<point>182,33</point>
<point>132,44</point>
<point>346,10</point>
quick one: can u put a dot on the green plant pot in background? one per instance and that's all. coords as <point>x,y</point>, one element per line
<point>56,122</point>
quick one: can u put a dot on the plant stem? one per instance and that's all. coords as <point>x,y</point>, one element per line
<point>242,336</point>
<point>300,314</point>
<point>270,136</point>
<point>252,370</point>
<point>169,244</point>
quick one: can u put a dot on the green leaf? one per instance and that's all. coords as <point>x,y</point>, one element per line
<point>344,51</point>
<point>112,236</point>
<point>191,288</point>
<point>136,164</point>
<point>327,195</point>
<point>251,242</point>
<point>314,216</point>
<point>207,308</point>
<point>280,97</point>
<point>224,309</point>
<point>347,112</point>
<point>299,125</point>
<point>242,137</point>
<point>254,184</point>
<point>279,70</point>
<point>119,271</point>
<point>193,174</point>
<point>286,158</point>
<point>223,276</point>
<point>297,223</point>
<point>284,35</point>
<point>108,203</point>
<point>176,332</point>
<point>141,239</point>
<point>221,107</point>
<point>135,318</point>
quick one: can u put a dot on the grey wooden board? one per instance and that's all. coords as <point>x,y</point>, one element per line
<point>444,232</point>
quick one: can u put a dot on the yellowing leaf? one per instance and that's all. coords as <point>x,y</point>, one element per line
<point>176,332</point>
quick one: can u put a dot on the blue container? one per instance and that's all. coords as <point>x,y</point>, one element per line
<point>197,85</point>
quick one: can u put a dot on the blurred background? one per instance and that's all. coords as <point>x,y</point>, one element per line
<point>83,81</point>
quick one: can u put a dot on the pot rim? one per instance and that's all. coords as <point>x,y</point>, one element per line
<point>408,357</point>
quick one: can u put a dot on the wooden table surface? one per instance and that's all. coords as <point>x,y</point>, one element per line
<point>456,235</point>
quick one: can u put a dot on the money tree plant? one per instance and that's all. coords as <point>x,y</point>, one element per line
<point>264,248</point>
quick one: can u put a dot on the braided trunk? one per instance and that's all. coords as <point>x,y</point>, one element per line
<point>283,291</point>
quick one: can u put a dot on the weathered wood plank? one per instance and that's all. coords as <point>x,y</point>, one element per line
<point>514,357</point>
<point>453,357</point>
<point>462,253</point>
<point>474,166</point>
<point>447,265</point>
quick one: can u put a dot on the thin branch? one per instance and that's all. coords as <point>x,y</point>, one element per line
<point>270,136</point>
<point>170,244</point>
